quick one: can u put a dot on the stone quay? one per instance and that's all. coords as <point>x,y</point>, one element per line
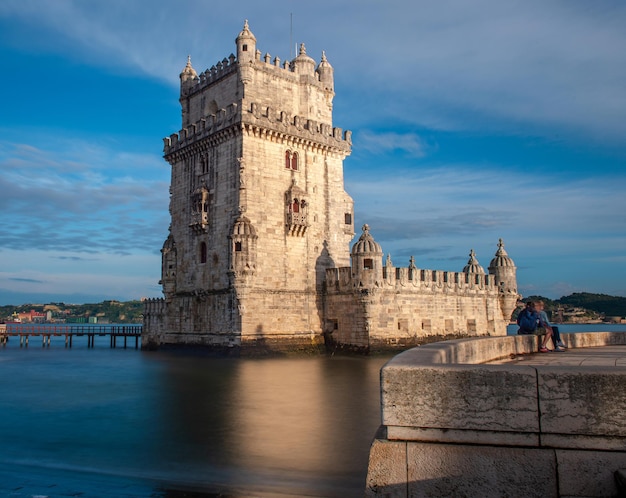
<point>493,417</point>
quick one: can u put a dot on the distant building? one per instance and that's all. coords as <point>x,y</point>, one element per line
<point>32,316</point>
<point>258,247</point>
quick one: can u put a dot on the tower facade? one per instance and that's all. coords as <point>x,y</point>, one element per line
<point>257,203</point>
<point>258,248</point>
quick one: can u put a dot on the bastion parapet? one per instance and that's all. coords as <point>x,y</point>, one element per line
<point>455,424</point>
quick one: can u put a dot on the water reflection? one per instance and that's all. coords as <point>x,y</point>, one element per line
<point>103,422</point>
<point>280,425</point>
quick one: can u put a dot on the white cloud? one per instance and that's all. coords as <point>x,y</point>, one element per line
<point>543,69</point>
<point>554,227</point>
<point>80,196</point>
<point>450,64</point>
<point>53,273</point>
<point>382,143</point>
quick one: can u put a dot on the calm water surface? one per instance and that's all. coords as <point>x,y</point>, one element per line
<point>115,422</point>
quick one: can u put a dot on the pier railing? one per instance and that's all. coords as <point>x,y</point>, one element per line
<point>47,330</point>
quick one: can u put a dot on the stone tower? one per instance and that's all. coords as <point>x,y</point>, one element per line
<point>257,203</point>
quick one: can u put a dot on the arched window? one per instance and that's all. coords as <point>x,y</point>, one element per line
<point>237,246</point>
<point>296,206</point>
<point>291,160</point>
<point>203,252</point>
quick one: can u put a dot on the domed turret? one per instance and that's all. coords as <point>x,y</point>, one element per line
<point>472,265</point>
<point>501,259</point>
<point>325,72</point>
<point>243,248</point>
<point>188,77</point>
<point>303,64</point>
<point>246,44</point>
<point>243,228</point>
<point>168,266</point>
<point>366,257</point>
<point>366,244</point>
<point>503,269</point>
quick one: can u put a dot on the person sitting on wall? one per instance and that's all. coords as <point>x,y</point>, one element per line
<point>528,321</point>
<point>545,323</point>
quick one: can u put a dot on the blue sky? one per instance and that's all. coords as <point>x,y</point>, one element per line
<point>471,121</point>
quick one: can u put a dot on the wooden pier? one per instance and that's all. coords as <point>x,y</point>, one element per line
<point>47,330</point>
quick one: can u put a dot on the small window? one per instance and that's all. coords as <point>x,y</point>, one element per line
<point>237,246</point>
<point>368,263</point>
<point>203,252</point>
<point>244,48</point>
<point>348,218</point>
<point>291,160</point>
<point>296,206</point>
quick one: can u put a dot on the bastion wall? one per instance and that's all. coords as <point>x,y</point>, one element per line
<point>453,425</point>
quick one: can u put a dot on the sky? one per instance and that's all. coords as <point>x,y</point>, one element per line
<point>471,121</point>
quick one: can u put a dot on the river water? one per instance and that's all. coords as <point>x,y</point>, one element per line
<point>125,423</point>
<point>101,422</point>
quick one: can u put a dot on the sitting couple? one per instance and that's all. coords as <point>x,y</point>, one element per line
<point>534,320</point>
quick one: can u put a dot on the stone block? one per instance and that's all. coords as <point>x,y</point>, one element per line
<point>589,473</point>
<point>488,398</point>
<point>386,472</point>
<point>480,471</point>
<point>582,401</point>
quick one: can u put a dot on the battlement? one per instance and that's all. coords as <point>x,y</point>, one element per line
<point>229,65</point>
<point>343,280</point>
<point>202,128</point>
<point>265,117</point>
<point>260,118</point>
<point>215,73</point>
<point>155,306</point>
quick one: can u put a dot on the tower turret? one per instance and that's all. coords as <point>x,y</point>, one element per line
<point>366,259</point>
<point>168,266</point>
<point>303,64</point>
<point>473,266</point>
<point>188,77</point>
<point>325,72</point>
<point>243,248</point>
<point>246,45</point>
<point>504,270</point>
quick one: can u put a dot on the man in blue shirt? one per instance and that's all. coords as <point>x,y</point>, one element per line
<point>529,322</point>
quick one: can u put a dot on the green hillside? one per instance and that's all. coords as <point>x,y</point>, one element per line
<point>600,303</point>
<point>104,312</point>
<point>590,306</point>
